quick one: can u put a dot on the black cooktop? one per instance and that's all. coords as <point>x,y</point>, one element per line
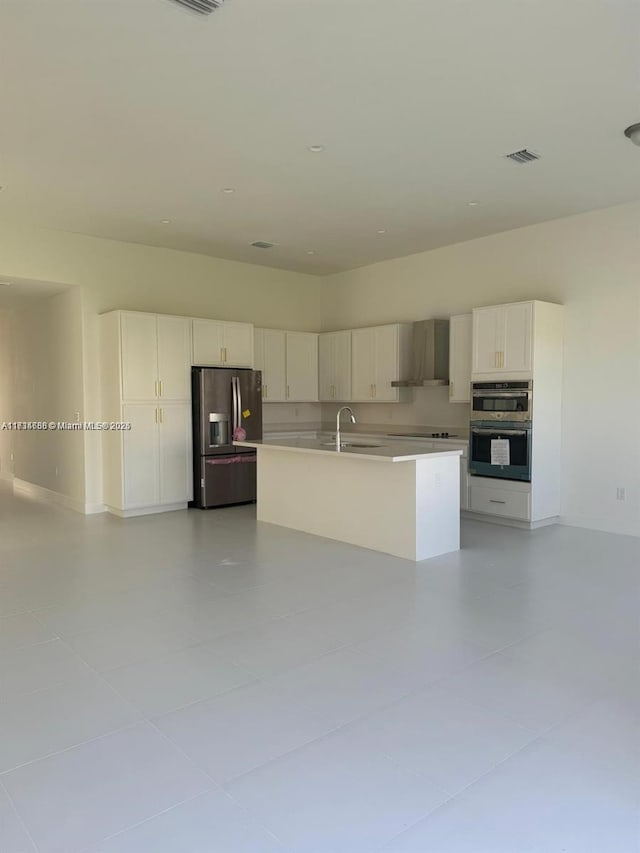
<point>424,435</point>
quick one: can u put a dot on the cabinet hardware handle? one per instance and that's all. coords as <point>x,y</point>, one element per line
<point>287,392</point>
<point>222,355</point>
<point>264,391</point>
<point>491,501</point>
<point>502,359</point>
<point>160,384</point>
<point>160,415</point>
<point>155,388</point>
<point>225,355</point>
<point>375,391</point>
<point>156,416</point>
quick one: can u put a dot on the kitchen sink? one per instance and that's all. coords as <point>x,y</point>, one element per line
<point>350,444</point>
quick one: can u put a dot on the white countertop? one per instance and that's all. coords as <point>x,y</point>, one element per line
<point>390,450</point>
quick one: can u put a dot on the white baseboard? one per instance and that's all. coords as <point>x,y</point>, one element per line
<point>145,510</point>
<point>37,492</point>
<point>508,522</point>
<point>605,525</point>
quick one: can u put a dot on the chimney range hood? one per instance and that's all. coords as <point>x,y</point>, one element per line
<point>430,355</point>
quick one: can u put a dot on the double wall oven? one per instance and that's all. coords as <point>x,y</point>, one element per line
<point>500,430</point>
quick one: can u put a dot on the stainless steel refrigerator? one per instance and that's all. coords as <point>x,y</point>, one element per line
<point>224,400</point>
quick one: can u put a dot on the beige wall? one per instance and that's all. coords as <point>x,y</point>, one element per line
<point>591,264</point>
<point>6,392</point>
<point>48,386</point>
<point>112,275</point>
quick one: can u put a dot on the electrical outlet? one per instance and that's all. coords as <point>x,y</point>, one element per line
<point>621,493</point>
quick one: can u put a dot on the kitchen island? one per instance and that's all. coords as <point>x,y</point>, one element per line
<point>390,496</point>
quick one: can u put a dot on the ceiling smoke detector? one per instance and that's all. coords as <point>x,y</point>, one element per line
<point>261,244</point>
<point>523,156</point>
<point>203,7</point>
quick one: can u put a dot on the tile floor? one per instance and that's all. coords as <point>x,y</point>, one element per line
<point>197,683</point>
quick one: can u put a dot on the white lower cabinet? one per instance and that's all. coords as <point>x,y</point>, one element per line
<point>156,457</point>
<point>508,500</point>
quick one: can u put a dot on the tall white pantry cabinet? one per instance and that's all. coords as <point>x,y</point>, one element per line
<point>146,381</point>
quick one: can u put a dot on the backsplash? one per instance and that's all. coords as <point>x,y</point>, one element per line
<point>430,406</point>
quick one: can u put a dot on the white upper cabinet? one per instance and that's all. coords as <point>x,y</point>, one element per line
<point>502,339</point>
<point>334,371</point>
<point>460,335</point>
<point>222,344</point>
<point>301,367</point>
<point>379,356</point>
<point>270,357</point>
<point>174,358</point>
<point>155,356</point>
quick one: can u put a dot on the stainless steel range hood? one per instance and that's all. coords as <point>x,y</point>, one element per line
<point>430,363</point>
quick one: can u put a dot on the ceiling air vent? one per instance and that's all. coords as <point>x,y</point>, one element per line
<point>260,244</point>
<point>204,7</point>
<point>523,156</point>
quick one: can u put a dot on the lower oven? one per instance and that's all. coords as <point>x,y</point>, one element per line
<point>500,450</point>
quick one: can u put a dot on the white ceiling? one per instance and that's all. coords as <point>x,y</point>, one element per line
<point>115,114</point>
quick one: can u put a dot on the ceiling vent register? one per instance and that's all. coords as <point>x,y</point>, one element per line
<point>262,244</point>
<point>204,7</point>
<point>523,156</point>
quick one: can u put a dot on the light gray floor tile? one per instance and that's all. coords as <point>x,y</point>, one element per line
<point>162,684</point>
<point>534,697</point>
<point>134,641</point>
<point>335,795</point>
<point>79,797</point>
<point>344,685</point>
<point>38,724</point>
<point>22,630</point>
<point>13,836</point>
<point>36,667</point>
<point>434,733</point>
<point>209,823</point>
<point>241,730</point>
<point>542,799</point>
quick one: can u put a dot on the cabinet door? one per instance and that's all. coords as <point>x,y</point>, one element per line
<point>175,461</point>
<point>302,367</point>
<point>385,363</point>
<point>139,348</point>
<point>208,343</point>
<point>326,366</point>
<point>362,367</point>
<point>460,358</point>
<point>488,326</point>
<point>238,344</point>
<point>174,358</point>
<point>342,367</point>
<point>274,366</point>
<point>140,462</point>
<point>518,327</point>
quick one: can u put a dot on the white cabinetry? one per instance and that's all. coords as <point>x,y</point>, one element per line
<point>289,365</point>
<point>222,344</point>
<point>334,360</point>
<point>146,365</point>
<point>379,355</point>
<point>460,336</point>
<point>269,349</point>
<point>302,367</point>
<point>503,340</point>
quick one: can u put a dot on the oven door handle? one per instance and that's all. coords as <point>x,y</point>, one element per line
<point>503,395</point>
<point>477,431</point>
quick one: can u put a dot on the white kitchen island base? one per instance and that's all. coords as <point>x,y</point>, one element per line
<point>410,508</point>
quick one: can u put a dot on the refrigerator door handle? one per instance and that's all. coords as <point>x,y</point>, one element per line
<point>234,395</point>
<point>239,402</point>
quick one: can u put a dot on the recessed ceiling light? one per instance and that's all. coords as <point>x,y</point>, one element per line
<point>165,222</point>
<point>5,284</point>
<point>2,189</point>
<point>228,190</point>
<point>473,203</point>
<point>382,230</point>
<point>310,252</point>
<point>316,148</point>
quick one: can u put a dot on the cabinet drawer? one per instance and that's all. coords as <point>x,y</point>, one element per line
<point>496,501</point>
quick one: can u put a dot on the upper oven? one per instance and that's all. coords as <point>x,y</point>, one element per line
<point>498,401</point>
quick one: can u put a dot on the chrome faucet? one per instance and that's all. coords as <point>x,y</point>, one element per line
<point>351,416</point>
